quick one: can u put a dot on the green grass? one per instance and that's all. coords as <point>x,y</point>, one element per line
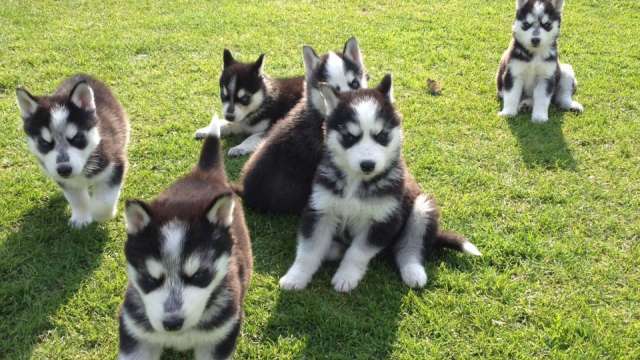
<point>554,208</point>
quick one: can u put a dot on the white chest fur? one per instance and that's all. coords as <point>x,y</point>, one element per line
<point>531,72</point>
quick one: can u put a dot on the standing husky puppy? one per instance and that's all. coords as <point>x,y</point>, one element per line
<point>79,136</point>
<point>362,192</point>
<point>277,178</point>
<point>189,264</point>
<point>530,75</point>
<point>252,101</point>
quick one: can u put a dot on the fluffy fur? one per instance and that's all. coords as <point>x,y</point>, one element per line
<point>189,264</point>
<point>277,178</point>
<point>362,193</point>
<point>79,136</point>
<point>252,101</point>
<point>530,75</point>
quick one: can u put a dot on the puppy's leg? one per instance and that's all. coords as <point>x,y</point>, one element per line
<point>566,88</point>
<point>541,100</point>
<point>354,263</point>
<point>248,146</point>
<point>511,99</point>
<point>222,350</point>
<point>78,199</point>
<point>104,202</point>
<point>314,241</point>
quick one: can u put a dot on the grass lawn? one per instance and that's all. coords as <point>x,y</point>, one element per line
<point>554,208</point>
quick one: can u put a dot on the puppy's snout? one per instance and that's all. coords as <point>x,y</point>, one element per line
<point>173,323</point>
<point>535,41</point>
<point>64,170</point>
<point>367,166</point>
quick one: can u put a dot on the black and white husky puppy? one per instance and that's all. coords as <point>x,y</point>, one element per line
<point>363,192</point>
<point>530,75</point>
<point>277,178</point>
<point>79,136</point>
<point>252,101</point>
<point>189,265</point>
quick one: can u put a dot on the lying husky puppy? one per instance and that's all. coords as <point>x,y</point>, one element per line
<point>363,192</point>
<point>530,74</point>
<point>277,178</point>
<point>79,136</point>
<point>189,264</point>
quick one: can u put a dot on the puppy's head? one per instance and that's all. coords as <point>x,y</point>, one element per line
<point>61,130</point>
<point>177,263</point>
<point>364,136</point>
<point>537,24</point>
<point>343,71</point>
<point>242,87</point>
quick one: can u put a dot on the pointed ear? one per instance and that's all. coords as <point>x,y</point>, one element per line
<point>311,60</point>
<point>352,51</point>
<point>258,65</point>
<point>227,58</point>
<point>386,87</point>
<point>330,96</point>
<point>26,102</point>
<point>558,4</point>
<point>221,210</point>
<point>82,96</point>
<point>136,216</point>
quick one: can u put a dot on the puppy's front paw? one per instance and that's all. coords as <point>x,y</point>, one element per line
<point>539,118</point>
<point>576,106</point>
<point>414,275</point>
<point>202,133</point>
<point>507,113</point>
<point>80,219</point>
<point>346,279</point>
<point>294,280</point>
<point>239,150</point>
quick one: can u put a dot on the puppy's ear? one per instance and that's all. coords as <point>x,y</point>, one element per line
<point>386,87</point>
<point>221,210</point>
<point>82,96</point>
<point>26,102</point>
<point>227,58</point>
<point>330,96</point>
<point>311,60</point>
<point>259,64</point>
<point>520,3</point>
<point>352,52</point>
<point>558,4</point>
<point>136,216</point>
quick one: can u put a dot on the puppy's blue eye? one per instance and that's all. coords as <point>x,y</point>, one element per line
<point>245,100</point>
<point>149,283</point>
<point>79,140</point>
<point>355,84</point>
<point>547,26</point>
<point>200,278</point>
<point>526,25</point>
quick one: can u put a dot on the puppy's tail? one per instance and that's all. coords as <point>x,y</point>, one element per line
<point>453,241</point>
<point>211,153</point>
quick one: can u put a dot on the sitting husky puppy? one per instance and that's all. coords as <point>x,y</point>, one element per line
<point>252,101</point>
<point>79,136</point>
<point>530,75</point>
<point>363,192</point>
<point>277,178</point>
<point>189,264</point>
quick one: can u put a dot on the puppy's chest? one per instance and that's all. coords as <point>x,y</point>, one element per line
<point>533,71</point>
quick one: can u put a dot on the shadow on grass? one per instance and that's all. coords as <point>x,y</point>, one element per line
<point>542,145</point>
<point>42,264</point>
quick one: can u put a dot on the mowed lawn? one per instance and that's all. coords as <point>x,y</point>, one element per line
<point>554,208</point>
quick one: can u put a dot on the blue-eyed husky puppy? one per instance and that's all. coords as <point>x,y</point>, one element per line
<point>363,192</point>
<point>252,101</point>
<point>79,136</point>
<point>530,74</point>
<point>189,264</point>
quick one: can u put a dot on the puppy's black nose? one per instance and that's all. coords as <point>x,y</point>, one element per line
<point>367,166</point>
<point>535,42</point>
<point>229,117</point>
<point>64,170</point>
<point>173,323</point>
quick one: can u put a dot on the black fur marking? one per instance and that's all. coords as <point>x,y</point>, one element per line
<point>117,175</point>
<point>225,348</point>
<point>308,222</point>
<point>551,85</point>
<point>519,52</point>
<point>96,163</point>
<point>135,309</point>
<point>382,234</point>
<point>508,81</point>
<point>229,310</point>
<point>388,182</point>
<point>128,343</point>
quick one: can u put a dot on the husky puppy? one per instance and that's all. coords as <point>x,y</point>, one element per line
<point>189,265</point>
<point>530,74</point>
<point>363,192</point>
<point>277,178</point>
<point>252,101</point>
<point>79,136</point>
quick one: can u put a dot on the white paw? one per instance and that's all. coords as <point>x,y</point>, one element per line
<point>525,105</point>
<point>414,275</point>
<point>79,220</point>
<point>539,118</point>
<point>103,213</point>
<point>576,106</point>
<point>202,133</point>
<point>346,279</point>
<point>294,280</point>
<point>239,150</point>
<point>507,113</point>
